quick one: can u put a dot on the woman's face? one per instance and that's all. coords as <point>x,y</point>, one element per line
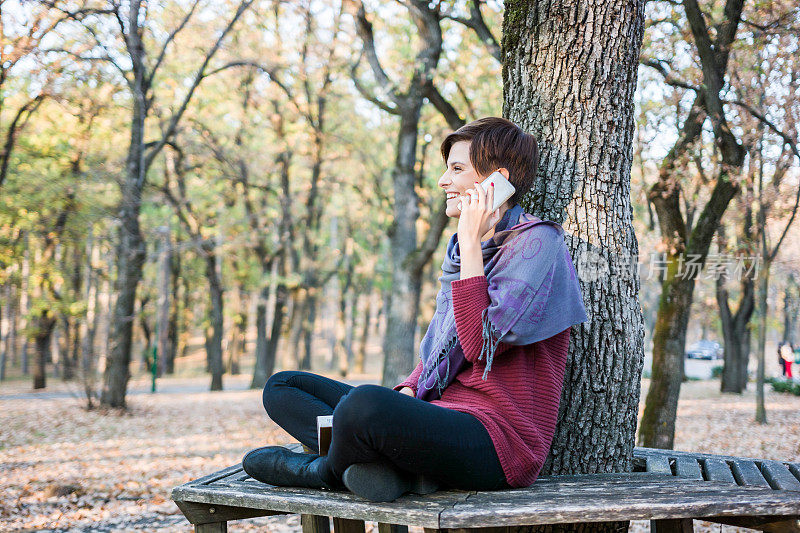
<point>459,177</point>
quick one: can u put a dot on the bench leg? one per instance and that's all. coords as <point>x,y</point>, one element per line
<point>677,525</point>
<point>347,525</point>
<point>391,528</point>
<point>315,524</point>
<point>214,527</point>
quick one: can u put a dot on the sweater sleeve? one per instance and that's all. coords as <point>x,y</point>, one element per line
<point>470,298</point>
<point>411,381</point>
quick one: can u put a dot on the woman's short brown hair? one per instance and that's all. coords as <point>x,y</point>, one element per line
<point>494,143</point>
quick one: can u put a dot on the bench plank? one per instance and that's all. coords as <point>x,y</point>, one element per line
<point>658,464</point>
<point>551,503</point>
<point>747,473</point>
<point>717,470</point>
<point>779,476</point>
<point>202,513</point>
<point>688,467</point>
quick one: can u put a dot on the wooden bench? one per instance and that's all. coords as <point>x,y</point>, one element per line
<point>669,488</point>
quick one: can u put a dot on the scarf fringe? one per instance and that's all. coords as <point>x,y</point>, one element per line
<point>441,382</point>
<point>491,338</point>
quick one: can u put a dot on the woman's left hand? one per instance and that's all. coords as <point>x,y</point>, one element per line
<point>476,217</point>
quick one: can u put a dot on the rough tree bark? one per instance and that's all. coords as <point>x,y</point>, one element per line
<point>569,75</point>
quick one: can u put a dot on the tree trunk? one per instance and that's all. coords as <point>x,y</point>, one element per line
<point>215,341</point>
<point>4,332</point>
<point>573,88</point>
<point>24,304</point>
<point>12,318</point>
<point>398,344</point>
<point>352,300</point>
<point>735,334</point>
<point>238,331</point>
<point>130,255</point>
<point>90,322</point>
<point>44,323</point>
<point>291,359</point>
<point>260,370</point>
<point>791,302</point>
<point>309,321</point>
<point>174,313</point>
<point>763,285</point>
<point>361,352</point>
<point>163,314</point>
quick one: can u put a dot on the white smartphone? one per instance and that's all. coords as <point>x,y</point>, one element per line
<point>503,189</point>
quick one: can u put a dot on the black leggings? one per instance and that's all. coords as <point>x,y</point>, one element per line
<point>377,424</point>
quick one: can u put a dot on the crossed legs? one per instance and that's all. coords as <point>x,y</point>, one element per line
<point>374,424</point>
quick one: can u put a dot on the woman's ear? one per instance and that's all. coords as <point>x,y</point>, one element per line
<point>504,172</point>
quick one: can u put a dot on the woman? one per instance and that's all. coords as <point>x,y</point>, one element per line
<point>479,410</point>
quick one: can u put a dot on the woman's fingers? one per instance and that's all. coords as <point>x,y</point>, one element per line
<point>481,195</point>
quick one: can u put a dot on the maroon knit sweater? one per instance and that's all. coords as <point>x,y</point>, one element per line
<point>518,402</point>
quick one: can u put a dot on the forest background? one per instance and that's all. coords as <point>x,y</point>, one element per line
<point>194,195</point>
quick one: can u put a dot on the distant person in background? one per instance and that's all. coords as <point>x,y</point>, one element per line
<point>781,362</point>
<point>787,354</point>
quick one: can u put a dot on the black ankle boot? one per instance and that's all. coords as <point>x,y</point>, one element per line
<point>380,482</point>
<point>280,466</point>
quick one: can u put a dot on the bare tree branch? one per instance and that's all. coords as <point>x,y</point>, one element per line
<point>365,92</point>
<point>168,40</point>
<point>669,77</point>
<point>201,74</point>
<point>364,30</point>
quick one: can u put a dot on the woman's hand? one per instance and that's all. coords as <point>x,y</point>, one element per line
<point>476,217</point>
<point>408,391</point>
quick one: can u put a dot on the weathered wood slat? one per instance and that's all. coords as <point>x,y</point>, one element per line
<point>641,451</point>
<point>658,464</point>
<point>779,476</point>
<point>391,528</point>
<point>345,525</point>
<point>202,513</point>
<point>677,498</point>
<point>761,523</point>
<point>315,523</point>
<point>409,509</point>
<point>225,472</point>
<point>688,467</point>
<point>717,470</point>
<point>794,468</point>
<point>747,473</point>
<point>679,525</point>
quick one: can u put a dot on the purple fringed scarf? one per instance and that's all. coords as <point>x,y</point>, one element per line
<point>533,289</point>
